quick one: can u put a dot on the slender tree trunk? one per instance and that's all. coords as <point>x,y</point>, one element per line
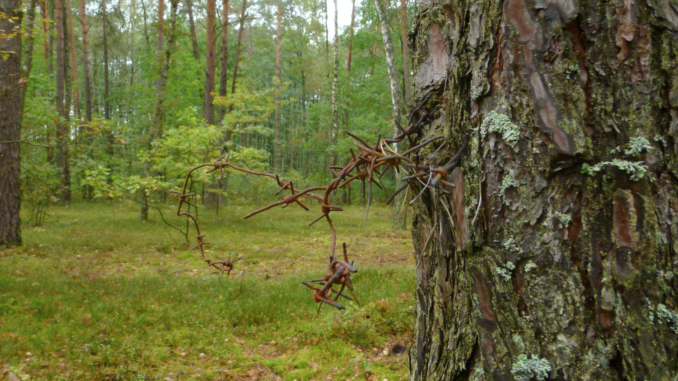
<point>50,39</point>
<point>406,53</point>
<point>554,257</point>
<point>85,63</point>
<point>223,72</point>
<point>27,56</point>
<point>327,37</point>
<point>156,129</point>
<point>335,87</point>
<point>396,98</point>
<point>63,135</point>
<point>161,27</point>
<point>107,106</point>
<point>10,125</point>
<point>45,23</point>
<point>74,65</point>
<point>237,54</point>
<point>350,40</point>
<point>194,38</point>
<point>278,44</point>
<point>210,60</point>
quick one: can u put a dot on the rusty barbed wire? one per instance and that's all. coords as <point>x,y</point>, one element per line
<point>368,166</point>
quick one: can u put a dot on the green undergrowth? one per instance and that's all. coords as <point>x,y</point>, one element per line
<point>101,298</point>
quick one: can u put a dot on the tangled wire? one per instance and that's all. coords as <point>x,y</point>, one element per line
<point>369,166</point>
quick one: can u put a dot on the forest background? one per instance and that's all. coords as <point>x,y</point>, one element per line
<point>117,149</point>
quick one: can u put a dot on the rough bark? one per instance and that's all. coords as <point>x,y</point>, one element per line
<point>406,53</point>
<point>555,255</point>
<point>85,62</point>
<point>10,126</point>
<point>27,55</point>
<point>74,66</point>
<point>62,133</point>
<point>210,60</point>
<point>223,59</point>
<point>334,133</point>
<point>277,160</point>
<point>194,38</point>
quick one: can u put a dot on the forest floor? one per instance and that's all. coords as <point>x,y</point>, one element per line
<point>96,294</point>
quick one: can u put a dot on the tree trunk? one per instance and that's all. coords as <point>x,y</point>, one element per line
<point>85,63</point>
<point>50,39</point>
<point>161,27</point>
<point>10,125</point>
<point>45,23</point>
<point>396,99</point>
<point>74,65</point>
<point>210,60</point>
<point>335,88</point>
<point>62,133</point>
<point>27,56</point>
<point>556,254</point>
<point>350,40</point>
<point>223,61</point>
<point>194,38</point>
<point>107,106</point>
<point>406,53</point>
<point>237,55</point>
<point>277,157</point>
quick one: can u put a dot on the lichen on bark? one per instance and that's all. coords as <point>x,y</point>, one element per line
<point>590,292</point>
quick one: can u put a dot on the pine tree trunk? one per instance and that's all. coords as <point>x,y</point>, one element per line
<point>158,109</point>
<point>85,63</point>
<point>10,126</point>
<point>45,23</point>
<point>223,61</point>
<point>74,65</point>
<point>335,88</point>
<point>406,53</point>
<point>62,133</point>
<point>556,254</point>
<point>27,56</point>
<point>278,43</point>
<point>194,38</point>
<point>210,60</point>
<point>238,48</point>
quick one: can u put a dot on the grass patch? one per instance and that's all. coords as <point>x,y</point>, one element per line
<point>99,295</point>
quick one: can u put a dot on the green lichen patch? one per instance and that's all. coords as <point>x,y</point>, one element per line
<point>637,170</point>
<point>637,146</point>
<point>530,266</point>
<point>503,273</point>
<point>668,317</point>
<point>511,245</point>
<point>508,182</point>
<point>501,124</point>
<point>564,220</point>
<point>527,368</point>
